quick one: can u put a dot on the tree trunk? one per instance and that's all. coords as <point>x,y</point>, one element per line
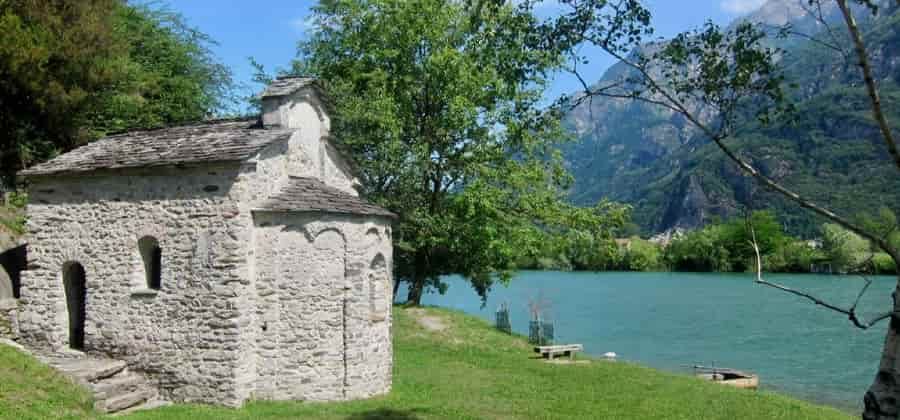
<point>417,284</point>
<point>882,398</point>
<point>414,298</point>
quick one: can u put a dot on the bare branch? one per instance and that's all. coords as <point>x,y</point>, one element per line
<point>808,37</point>
<point>584,85</point>
<point>851,313</point>
<point>871,87</point>
<point>642,99</point>
<point>819,16</point>
<point>861,293</point>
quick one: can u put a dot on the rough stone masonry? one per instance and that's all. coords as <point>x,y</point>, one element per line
<point>226,260</point>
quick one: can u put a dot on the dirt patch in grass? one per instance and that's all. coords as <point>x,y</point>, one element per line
<point>429,322</point>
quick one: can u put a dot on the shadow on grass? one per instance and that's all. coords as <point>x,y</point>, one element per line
<point>385,414</point>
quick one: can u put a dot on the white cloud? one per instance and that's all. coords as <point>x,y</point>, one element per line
<point>740,7</point>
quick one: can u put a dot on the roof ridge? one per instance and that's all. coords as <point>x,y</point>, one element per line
<point>186,124</point>
<point>293,76</point>
<point>312,194</point>
<point>287,85</point>
<point>210,141</point>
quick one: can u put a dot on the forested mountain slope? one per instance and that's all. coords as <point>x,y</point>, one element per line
<point>653,159</point>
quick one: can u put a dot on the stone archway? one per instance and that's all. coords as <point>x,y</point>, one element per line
<point>76,295</point>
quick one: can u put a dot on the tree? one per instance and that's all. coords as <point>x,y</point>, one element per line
<point>53,58</point>
<point>172,76</point>
<point>71,71</point>
<point>438,103</point>
<point>718,79</point>
<point>845,250</point>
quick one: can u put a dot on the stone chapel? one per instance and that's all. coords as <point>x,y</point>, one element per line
<point>225,260</point>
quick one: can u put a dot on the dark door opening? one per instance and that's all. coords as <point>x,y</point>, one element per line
<point>76,293</point>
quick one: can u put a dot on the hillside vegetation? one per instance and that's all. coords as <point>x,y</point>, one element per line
<point>830,152</point>
<point>459,368</point>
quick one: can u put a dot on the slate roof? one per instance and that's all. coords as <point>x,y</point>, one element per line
<point>285,85</point>
<point>312,195</point>
<point>212,141</point>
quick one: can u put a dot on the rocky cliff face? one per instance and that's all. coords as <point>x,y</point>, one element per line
<point>653,159</point>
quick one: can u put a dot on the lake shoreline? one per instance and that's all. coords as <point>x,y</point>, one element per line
<point>670,320</point>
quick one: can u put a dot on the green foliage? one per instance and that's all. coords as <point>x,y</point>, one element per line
<point>53,59</point>
<point>171,75</point>
<point>585,252</point>
<point>642,255</point>
<point>12,213</point>
<point>728,247</point>
<point>725,70</point>
<point>438,103</point>
<point>845,250</point>
<point>792,257</point>
<point>883,264</point>
<point>71,71</point>
<point>700,250</point>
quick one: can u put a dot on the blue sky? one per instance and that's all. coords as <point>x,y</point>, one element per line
<point>269,30</point>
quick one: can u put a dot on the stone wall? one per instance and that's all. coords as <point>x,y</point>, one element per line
<point>302,314</point>
<point>186,335</point>
<point>309,153</point>
<point>323,291</point>
<point>9,323</point>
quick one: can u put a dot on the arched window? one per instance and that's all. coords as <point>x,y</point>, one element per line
<point>151,253</point>
<point>379,303</point>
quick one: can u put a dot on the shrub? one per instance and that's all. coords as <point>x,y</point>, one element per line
<point>845,250</point>
<point>882,263</point>
<point>642,255</point>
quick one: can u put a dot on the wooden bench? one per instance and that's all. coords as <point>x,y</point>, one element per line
<point>549,352</point>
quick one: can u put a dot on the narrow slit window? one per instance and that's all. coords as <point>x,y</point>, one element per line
<point>378,301</point>
<point>151,254</point>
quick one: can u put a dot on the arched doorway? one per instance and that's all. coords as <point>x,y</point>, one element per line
<point>76,293</point>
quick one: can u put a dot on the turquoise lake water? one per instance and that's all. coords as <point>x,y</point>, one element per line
<point>673,320</point>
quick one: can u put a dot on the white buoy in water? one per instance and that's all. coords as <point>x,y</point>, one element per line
<point>609,355</point>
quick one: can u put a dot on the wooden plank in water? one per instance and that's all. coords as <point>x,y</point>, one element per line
<point>724,371</point>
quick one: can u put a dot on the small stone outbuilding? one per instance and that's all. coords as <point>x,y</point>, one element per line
<point>225,260</point>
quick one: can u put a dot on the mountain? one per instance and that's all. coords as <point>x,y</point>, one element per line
<point>654,160</point>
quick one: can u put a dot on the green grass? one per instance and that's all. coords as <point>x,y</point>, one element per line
<point>31,390</point>
<point>471,371</point>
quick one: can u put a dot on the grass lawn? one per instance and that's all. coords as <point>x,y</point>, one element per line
<point>31,390</point>
<point>465,371</point>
